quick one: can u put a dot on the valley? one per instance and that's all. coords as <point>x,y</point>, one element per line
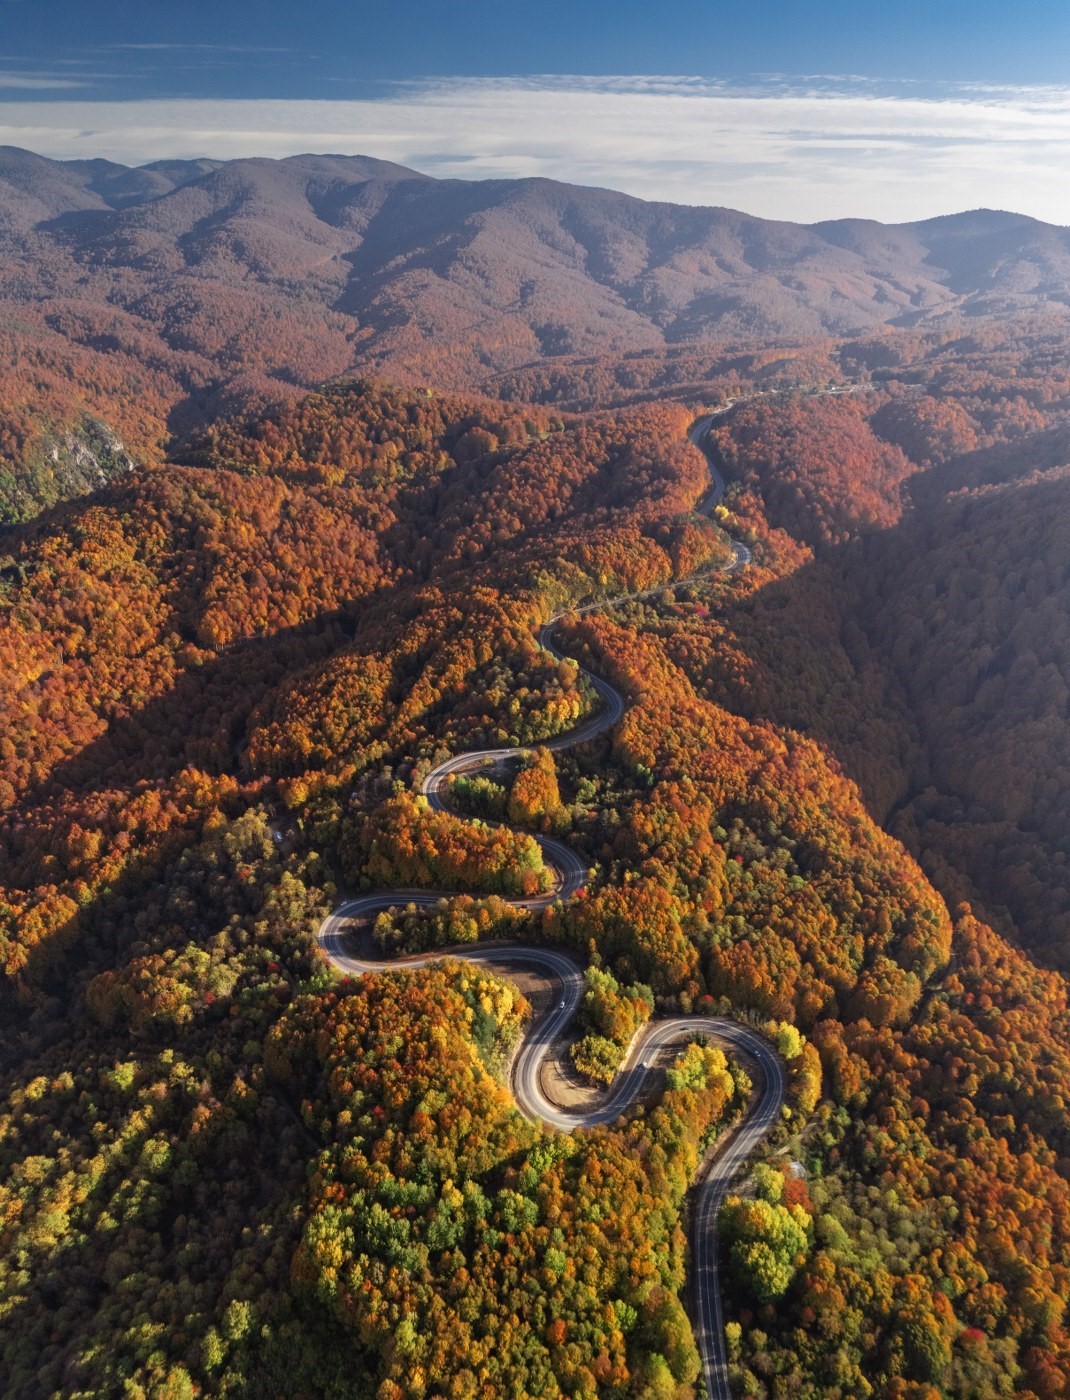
<point>663,603</point>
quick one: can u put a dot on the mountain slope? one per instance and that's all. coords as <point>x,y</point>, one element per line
<point>527,267</point>
<point>925,640</point>
<point>235,283</point>
<point>225,1173</point>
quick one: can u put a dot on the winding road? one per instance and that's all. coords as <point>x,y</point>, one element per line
<point>563,978</point>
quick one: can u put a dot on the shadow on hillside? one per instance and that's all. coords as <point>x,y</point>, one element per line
<point>878,651</point>
<point>201,723</point>
<point>990,466</point>
<point>202,720</point>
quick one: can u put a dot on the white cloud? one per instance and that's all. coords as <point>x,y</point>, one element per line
<point>192,48</point>
<point>812,148</point>
<point>43,82</point>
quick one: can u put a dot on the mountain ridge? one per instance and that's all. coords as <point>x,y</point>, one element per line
<point>243,282</point>
<point>657,257</point>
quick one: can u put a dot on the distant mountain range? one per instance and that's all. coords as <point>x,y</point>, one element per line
<point>183,289</point>
<point>502,271</point>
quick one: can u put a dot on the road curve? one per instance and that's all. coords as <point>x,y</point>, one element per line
<point>564,978</point>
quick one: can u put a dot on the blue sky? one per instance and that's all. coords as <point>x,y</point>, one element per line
<point>279,48</point>
<point>784,108</point>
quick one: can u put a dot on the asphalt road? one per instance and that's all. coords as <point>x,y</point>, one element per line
<point>563,977</point>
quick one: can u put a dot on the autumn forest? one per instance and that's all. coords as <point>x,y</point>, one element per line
<point>244,613</point>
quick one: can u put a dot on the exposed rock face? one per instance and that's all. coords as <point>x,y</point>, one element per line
<point>68,462</point>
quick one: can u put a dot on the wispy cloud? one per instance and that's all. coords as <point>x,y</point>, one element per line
<point>41,82</point>
<point>194,48</point>
<point>797,148</point>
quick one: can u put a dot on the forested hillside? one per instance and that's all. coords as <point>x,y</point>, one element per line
<point>931,657</point>
<point>194,634</point>
<point>227,1172</point>
<point>158,299</point>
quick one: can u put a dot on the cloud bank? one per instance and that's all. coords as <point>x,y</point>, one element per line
<point>808,149</point>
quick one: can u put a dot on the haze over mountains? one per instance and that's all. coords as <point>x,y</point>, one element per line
<point>510,270</point>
